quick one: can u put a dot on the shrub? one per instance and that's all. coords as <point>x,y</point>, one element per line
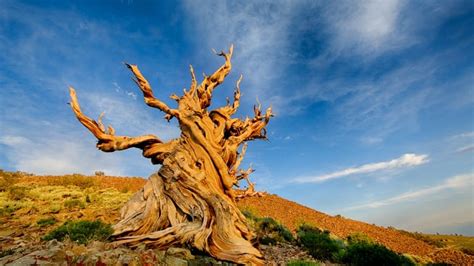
<point>270,231</point>
<point>6,252</point>
<point>73,203</point>
<point>425,238</point>
<point>17,193</point>
<point>301,263</point>
<point>319,243</point>
<point>81,231</point>
<point>364,253</point>
<point>8,179</point>
<point>359,238</point>
<point>55,208</point>
<point>46,221</point>
<point>99,173</point>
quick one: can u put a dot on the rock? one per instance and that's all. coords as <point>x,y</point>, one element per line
<point>54,243</point>
<point>180,253</point>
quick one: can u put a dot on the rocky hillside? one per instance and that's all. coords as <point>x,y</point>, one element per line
<point>31,206</point>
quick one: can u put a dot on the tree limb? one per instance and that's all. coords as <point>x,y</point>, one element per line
<point>211,82</point>
<point>149,98</point>
<point>107,141</point>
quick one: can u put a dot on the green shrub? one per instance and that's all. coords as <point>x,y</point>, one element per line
<point>46,221</point>
<point>359,238</point>
<point>6,252</point>
<point>249,214</point>
<point>425,238</point>
<point>301,263</point>
<point>270,231</point>
<point>319,243</point>
<point>73,203</point>
<point>81,231</point>
<point>363,253</point>
<point>9,209</point>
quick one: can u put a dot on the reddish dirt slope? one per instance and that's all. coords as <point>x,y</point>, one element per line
<point>291,214</point>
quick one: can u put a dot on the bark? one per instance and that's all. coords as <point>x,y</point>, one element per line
<point>191,200</point>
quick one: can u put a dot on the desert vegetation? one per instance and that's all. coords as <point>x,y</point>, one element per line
<point>72,222</point>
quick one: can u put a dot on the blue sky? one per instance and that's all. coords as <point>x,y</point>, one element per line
<point>374,100</point>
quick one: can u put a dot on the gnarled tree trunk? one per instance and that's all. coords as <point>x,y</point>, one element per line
<point>191,200</point>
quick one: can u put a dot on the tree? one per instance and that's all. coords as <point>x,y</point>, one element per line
<point>192,198</point>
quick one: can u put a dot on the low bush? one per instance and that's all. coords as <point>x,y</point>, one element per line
<point>74,203</point>
<point>359,238</point>
<point>364,253</point>
<point>270,231</point>
<point>319,243</point>
<point>8,179</point>
<point>425,238</point>
<point>301,263</point>
<point>81,231</point>
<point>17,193</point>
<point>46,221</point>
<point>99,173</point>
<point>6,252</point>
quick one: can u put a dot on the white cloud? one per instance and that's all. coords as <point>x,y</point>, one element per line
<point>455,182</point>
<point>368,26</point>
<point>55,155</point>
<point>467,148</point>
<point>260,33</point>
<point>464,135</point>
<point>404,161</point>
<point>13,140</point>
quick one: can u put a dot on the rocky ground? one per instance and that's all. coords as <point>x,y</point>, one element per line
<point>59,199</point>
<point>21,252</point>
<point>292,214</point>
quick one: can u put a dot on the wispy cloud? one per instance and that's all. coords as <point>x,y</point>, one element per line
<point>58,156</point>
<point>467,148</point>
<point>455,182</point>
<point>367,27</point>
<point>260,32</point>
<point>404,161</point>
<point>463,135</point>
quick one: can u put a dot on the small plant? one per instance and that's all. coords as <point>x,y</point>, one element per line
<point>6,252</point>
<point>9,209</point>
<point>270,231</point>
<point>8,179</point>
<point>46,221</point>
<point>81,231</point>
<point>55,208</point>
<point>319,243</point>
<point>425,238</point>
<point>88,199</point>
<point>359,238</point>
<point>302,263</point>
<point>362,253</point>
<point>17,193</point>
<point>74,203</point>
<point>99,173</point>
